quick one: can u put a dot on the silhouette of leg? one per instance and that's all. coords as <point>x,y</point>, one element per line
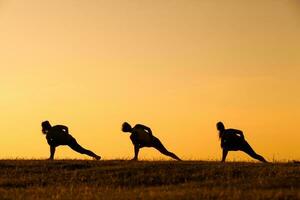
<point>52,152</point>
<point>224,155</point>
<point>160,147</point>
<point>76,147</point>
<point>248,149</point>
<point>136,152</point>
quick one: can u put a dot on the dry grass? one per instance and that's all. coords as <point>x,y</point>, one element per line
<point>81,179</point>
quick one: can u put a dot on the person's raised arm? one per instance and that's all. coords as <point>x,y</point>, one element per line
<point>240,133</point>
<point>145,128</point>
<point>64,128</point>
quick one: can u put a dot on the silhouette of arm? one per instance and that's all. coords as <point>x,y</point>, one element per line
<point>52,152</point>
<point>240,133</point>
<point>147,129</point>
<point>64,128</point>
<point>136,152</point>
<point>224,155</point>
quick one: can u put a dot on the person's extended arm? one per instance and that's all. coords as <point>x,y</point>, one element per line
<point>136,152</point>
<point>52,152</point>
<point>145,128</point>
<point>224,155</point>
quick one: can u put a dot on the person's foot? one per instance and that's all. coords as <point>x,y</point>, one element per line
<point>97,157</point>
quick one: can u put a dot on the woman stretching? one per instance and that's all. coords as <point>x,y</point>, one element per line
<point>141,136</point>
<point>233,140</point>
<point>59,135</point>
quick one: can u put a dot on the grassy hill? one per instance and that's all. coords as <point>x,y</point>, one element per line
<point>81,179</point>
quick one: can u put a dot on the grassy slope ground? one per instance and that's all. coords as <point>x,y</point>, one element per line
<point>81,179</point>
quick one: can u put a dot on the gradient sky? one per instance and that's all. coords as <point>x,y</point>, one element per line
<point>178,66</point>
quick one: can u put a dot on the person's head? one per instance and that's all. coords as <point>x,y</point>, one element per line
<point>46,127</point>
<point>126,127</point>
<point>220,126</point>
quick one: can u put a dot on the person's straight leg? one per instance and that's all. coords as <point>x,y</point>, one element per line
<point>248,149</point>
<point>76,147</point>
<point>160,147</point>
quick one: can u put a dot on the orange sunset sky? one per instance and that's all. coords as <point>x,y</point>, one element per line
<point>178,66</point>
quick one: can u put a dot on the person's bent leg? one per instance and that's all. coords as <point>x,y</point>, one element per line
<point>248,149</point>
<point>76,147</point>
<point>160,147</point>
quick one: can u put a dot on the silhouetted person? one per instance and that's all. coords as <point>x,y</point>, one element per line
<point>141,136</point>
<point>233,140</point>
<point>59,135</point>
